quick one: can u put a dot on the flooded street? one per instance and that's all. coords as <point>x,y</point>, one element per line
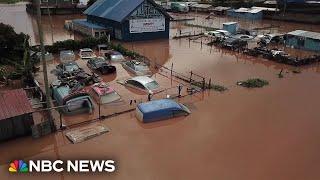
<point>240,134</point>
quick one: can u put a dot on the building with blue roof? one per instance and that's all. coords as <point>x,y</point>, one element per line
<point>130,20</point>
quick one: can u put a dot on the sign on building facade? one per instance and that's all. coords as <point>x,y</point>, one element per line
<point>146,18</point>
<point>147,25</point>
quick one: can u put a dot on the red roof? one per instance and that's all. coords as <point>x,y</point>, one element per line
<point>14,103</point>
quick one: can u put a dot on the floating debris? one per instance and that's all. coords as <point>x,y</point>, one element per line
<point>296,71</point>
<point>85,133</point>
<point>253,83</point>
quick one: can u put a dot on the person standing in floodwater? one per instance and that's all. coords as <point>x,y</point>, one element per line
<point>179,90</point>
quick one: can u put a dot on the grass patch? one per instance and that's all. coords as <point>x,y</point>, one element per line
<point>219,88</point>
<point>214,87</point>
<point>253,83</point>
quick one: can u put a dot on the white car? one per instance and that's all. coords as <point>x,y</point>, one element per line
<point>136,67</point>
<point>143,83</point>
<point>86,53</point>
<point>213,34</point>
<point>224,32</point>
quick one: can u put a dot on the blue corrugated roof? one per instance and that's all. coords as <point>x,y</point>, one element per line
<point>84,22</point>
<point>158,106</point>
<point>115,10</point>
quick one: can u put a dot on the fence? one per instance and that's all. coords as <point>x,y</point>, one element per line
<point>181,87</point>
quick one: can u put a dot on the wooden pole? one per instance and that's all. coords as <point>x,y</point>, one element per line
<point>44,65</point>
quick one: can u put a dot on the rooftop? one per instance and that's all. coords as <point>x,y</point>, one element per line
<point>307,34</point>
<point>158,105</point>
<point>14,103</point>
<point>117,10</point>
<point>84,22</point>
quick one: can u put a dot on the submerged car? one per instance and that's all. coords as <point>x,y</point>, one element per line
<point>243,37</point>
<point>104,93</point>
<point>86,53</point>
<point>100,64</point>
<point>159,110</point>
<point>271,38</point>
<point>214,34</point>
<point>68,67</point>
<point>67,56</point>
<point>224,33</point>
<point>233,44</point>
<point>136,67</point>
<point>72,102</point>
<point>114,56</point>
<point>143,83</point>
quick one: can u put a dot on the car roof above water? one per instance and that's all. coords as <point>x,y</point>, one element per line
<point>142,79</point>
<point>159,105</point>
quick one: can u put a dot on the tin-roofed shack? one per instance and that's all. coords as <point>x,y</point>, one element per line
<point>15,114</point>
<point>130,20</point>
<point>305,40</point>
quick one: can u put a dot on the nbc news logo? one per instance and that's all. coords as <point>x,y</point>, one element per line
<point>21,166</point>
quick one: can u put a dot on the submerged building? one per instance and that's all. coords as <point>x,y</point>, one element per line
<point>305,40</point>
<point>129,20</point>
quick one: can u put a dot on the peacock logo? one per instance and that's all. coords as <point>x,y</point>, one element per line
<point>18,166</point>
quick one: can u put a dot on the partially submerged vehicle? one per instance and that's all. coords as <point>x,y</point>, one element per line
<point>114,56</point>
<point>214,34</point>
<point>179,7</point>
<point>271,38</point>
<point>104,94</point>
<point>234,44</point>
<point>71,71</point>
<point>67,56</point>
<point>68,68</point>
<point>160,110</point>
<point>136,67</point>
<point>100,64</point>
<point>103,48</point>
<point>143,83</point>
<point>224,32</point>
<point>86,53</point>
<point>73,102</point>
<point>243,37</point>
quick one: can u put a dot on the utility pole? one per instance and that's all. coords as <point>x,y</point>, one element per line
<point>44,65</point>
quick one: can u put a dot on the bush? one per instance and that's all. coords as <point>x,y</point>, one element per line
<point>253,83</point>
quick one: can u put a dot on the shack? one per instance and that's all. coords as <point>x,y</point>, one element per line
<point>85,27</point>
<point>15,114</point>
<point>200,7</point>
<point>231,27</point>
<point>246,13</point>
<point>305,40</point>
<point>220,10</point>
<point>133,20</point>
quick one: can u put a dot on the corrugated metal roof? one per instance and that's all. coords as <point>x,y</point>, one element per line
<point>117,10</point>
<point>14,103</point>
<point>307,34</point>
<point>84,22</point>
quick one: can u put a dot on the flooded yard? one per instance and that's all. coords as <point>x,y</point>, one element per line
<point>240,134</point>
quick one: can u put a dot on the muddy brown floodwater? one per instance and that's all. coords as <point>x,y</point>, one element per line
<point>259,134</point>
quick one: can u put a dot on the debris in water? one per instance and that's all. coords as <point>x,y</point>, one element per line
<point>85,133</point>
<point>253,83</point>
<point>296,71</point>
